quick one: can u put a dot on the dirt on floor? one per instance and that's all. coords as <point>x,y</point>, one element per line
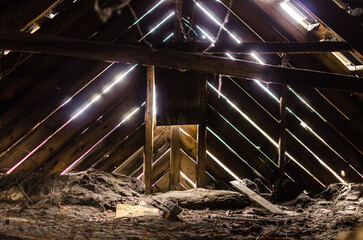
<point>83,206</point>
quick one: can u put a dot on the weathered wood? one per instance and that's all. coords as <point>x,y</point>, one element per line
<point>24,103</point>
<point>202,138</point>
<point>253,111</point>
<point>257,198</point>
<point>161,166</point>
<point>191,130</point>
<point>19,41</point>
<point>69,127</point>
<point>341,134</point>
<point>328,13</point>
<point>178,97</point>
<point>292,169</point>
<point>85,141</point>
<point>175,158</point>
<point>133,166</point>
<point>282,129</point>
<point>229,159</point>
<point>163,184</point>
<point>149,129</point>
<point>238,146</point>
<point>188,145</point>
<point>321,151</point>
<point>188,166</point>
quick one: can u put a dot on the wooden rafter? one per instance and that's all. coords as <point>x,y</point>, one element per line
<point>109,52</point>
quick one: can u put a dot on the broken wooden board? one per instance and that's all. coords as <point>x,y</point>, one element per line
<point>130,211</point>
<point>257,198</point>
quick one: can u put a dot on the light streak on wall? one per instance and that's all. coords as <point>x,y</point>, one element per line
<point>157,26</point>
<point>168,37</point>
<point>188,179</point>
<point>236,154</point>
<point>130,115</point>
<point>79,112</point>
<point>261,131</point>
<point>223,166</point>
<point>210,15</point>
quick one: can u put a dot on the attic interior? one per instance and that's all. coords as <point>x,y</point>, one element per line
<point>181,119</point>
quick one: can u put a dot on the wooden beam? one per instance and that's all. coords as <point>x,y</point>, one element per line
<point>178,36</point>
<point>175,158</point>
<point>202,140</point>
<point>149,130</point>
<point>265,47</point>
<point>282,122</point>
<point>337,20</point>
<point>19,41</point>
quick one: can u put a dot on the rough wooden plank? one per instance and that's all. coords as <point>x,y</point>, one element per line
<point>191,130</point>
<point>257,198</point>
<point>175,158</point>
<point>19,41</point>
<point>149,129</point>
<point>188,145</point>
<point>188,166</point>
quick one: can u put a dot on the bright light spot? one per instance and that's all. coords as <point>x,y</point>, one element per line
<point>118,78</point>
<point>304,125</point>
<point>292,11</point>
<point>230,56</point>
<point>188,179</point>
<point>236,38</point>
<point>66,102</point>
<point>6,52</point>
<point>223,166</point>
<point>257,57</point>
<point>342,172</point>
<point>206,34</point>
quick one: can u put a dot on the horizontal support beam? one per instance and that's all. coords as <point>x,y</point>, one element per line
<point>265,47</point>
<point>19,41</point>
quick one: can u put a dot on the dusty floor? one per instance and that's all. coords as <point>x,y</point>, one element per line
<point>78,207</point>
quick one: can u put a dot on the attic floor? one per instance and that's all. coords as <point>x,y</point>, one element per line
<point>338,209</point>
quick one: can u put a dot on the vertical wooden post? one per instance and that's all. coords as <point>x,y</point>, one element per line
<point>202,139</point>
<point>282,123</point>
<point>149,130</point>
<point>178,37</point>
<point>175,158</point>
<point>282,129</point>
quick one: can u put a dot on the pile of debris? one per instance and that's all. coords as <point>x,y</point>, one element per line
<point>99,205</point>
